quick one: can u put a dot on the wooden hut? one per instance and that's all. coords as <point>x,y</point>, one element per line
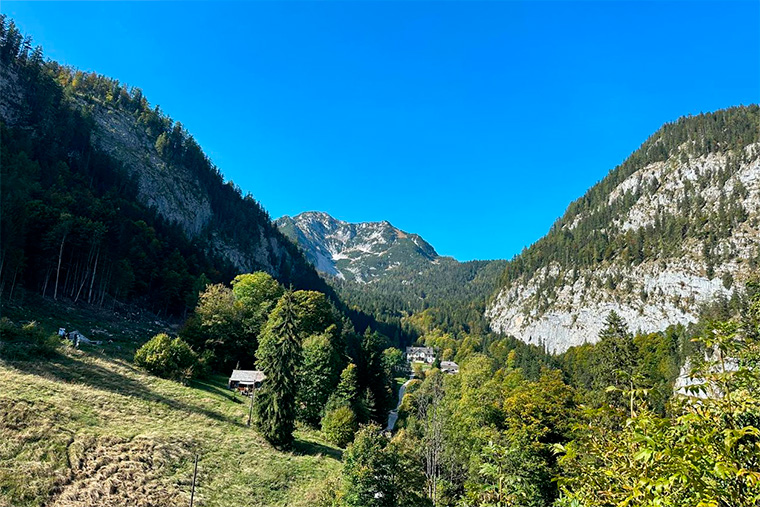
<point>246,380</point>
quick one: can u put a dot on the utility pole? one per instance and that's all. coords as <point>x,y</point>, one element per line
<point>250,410</point>
<point>195,474</point>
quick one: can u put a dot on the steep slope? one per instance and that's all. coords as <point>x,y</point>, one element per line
<point>114,199</point>
<point>667,230</point>
<point>83,429</point>
<point>173,174</point>
<point>360,252</point>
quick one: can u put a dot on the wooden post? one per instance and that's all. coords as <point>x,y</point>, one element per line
<point>195,474</point>
<point>250,410</point>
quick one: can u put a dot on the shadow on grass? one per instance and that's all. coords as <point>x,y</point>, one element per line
<point>209,386</point>
<point>68,369</point>
<point>308,448</point>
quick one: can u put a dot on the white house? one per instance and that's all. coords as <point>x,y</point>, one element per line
<point>421,354</point>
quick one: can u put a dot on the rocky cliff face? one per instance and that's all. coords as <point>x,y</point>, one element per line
<point>360,252</point>
<point>174,190</point>
<point>673,233</point>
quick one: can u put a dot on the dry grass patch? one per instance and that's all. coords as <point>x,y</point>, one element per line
<point>84,429</point>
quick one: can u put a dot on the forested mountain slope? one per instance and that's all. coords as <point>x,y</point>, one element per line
<point>669,229</point>
<point>389,272</point>
<point>105,197</point>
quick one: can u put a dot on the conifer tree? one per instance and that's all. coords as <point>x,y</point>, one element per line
<point>279,356</point>
<point>616,358</point>
<point>347,391</point>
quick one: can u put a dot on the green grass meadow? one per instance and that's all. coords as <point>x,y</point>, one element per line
<point>88,428</point>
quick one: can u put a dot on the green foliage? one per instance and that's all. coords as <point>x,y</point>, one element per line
<point>27,342</point>
<point>228,322</point>
<point>168,358</point>
<point>72,222</point>
<point>279,357</point>
<point>257,294</point>
<point>486,434</point>
<point>393,361</point>
<point>602,371</point>
<point>218,326</point>
<point>454,293</point>
<point>347,390</point>
<point>378,395</point>
<point>315,313</point>
<point>318,375</point>
<point>339,425</point>
<point>615,359</point>
<point>707,453</point>
<point>511,475</point>
<point>380,472</point>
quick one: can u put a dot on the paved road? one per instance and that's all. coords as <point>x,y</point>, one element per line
<point>393,416</point>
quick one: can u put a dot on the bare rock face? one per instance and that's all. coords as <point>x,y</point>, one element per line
<point>174,192</point>
<point>559,305</point>
<point>360,252</point>
<point>11,97</point>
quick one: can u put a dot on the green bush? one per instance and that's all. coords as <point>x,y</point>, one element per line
<point>168,358</point>
<point>21,343</point>
<point>339,425</point>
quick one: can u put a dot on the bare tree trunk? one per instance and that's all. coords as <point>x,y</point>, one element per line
<point>94,272</point>
<point>81,285</point>
<point>2,263</point>
<point>47,280</point>
<point>430,412</point>
<point>58,271</point>
<point>106,281</point>
<point>74,279</point>
<point>13,283</point>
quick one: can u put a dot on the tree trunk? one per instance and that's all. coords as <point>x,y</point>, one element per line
<point>74,278</point>
<point>81,285</point>
<point>94,272</point>
<point>13,283</point>
<point>58,271</point>
<point>47,280</point>
<point>2,263</point>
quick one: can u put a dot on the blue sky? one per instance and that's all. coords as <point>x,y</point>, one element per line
<point>471,123</point>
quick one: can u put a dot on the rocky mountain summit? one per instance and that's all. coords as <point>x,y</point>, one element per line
<point>379,267</point>
<point>359,252</point>
<point>676,225</point>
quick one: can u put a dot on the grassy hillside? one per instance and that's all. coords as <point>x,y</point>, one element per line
<point>89,429</point>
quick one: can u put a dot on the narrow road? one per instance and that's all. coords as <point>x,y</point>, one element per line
<point>393,416</point>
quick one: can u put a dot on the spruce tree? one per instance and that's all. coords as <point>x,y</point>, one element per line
<point>279,356</point>
<point>616,358</point>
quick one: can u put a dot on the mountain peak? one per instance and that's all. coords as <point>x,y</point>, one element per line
<point>355,251</point>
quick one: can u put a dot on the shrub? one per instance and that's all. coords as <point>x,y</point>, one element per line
<point>339,425</point>
<point>21,343</point>
<point>167,358</point>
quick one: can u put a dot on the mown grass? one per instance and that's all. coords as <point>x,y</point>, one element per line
<point>88,429</point>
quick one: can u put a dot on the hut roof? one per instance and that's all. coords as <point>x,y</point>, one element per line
<point>247,376</point>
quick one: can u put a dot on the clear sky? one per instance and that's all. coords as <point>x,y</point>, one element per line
<point>471,123</point>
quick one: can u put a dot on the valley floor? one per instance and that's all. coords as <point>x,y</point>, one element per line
<point>87,429</point>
